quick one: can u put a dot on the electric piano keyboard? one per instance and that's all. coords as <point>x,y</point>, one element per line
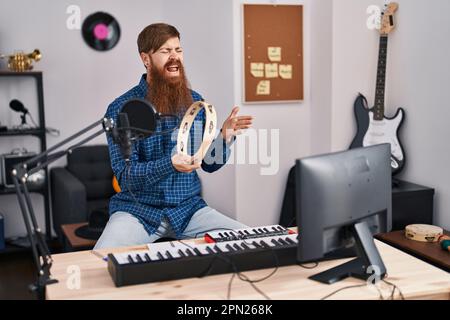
<point>246,233</point>
<point>182,260</point>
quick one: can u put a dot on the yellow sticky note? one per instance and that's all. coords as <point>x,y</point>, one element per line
<point>263,88</point>
<point>274,53</point>
<point>285,71</point>
<point>271,70</point>
<point>257,69</point>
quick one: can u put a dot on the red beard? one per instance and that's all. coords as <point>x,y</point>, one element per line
<point>169,95</point>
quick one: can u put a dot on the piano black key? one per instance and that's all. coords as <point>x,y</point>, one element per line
<point>241,233</point>
<point>230,248</point>
<point>256,244</point>
<point>274,229</point>
<point>282,241</point>
<point>255,231</point>
<point>130,258</point>
<point>169,256</point>
<point>160,256</point>
<point>275,242</point>
<point>189,253</point>
<point>210,250</point>
<point>237,247</point>
<point>198,252</point>
<point>147,257</point>
<point>280,228</point>
<point>266,230</point>
<point>245,246</point>
<point>264,244</point>
<point>289,240</point>
<point>221,235</point>
<point>246,231</point>
<point>181,253</point>
<point>260,230</point>
<point>138,258</point>
<point>218,249</point>
<point>226,234</point>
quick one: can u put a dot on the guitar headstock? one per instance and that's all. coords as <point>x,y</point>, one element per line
<point>387,18</point>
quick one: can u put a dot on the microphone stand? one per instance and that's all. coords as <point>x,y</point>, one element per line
<point>20,173</point>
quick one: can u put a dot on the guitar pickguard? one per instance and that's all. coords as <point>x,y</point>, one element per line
<point>385,131</point>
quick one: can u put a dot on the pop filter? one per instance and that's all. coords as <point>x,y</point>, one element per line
<point>143,119</point>
<point>137,120</point>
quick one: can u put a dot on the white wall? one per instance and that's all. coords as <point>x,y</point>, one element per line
<point>321,74</point>
<point>259,197</point>
<point>417,79</point>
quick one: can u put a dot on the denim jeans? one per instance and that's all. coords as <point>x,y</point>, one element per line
<point>124,229</point>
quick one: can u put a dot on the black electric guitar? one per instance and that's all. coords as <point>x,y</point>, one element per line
<point>373,127</point>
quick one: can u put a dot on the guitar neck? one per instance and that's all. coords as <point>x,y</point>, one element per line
<point>381,79</point>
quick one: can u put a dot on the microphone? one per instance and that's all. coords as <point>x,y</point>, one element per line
<point>18,106</point>
<point>124,136</point>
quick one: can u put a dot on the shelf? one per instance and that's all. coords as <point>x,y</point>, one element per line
<point>12,190</point>
<point>23,132</point>
<point>38,132</point>
<point>19,74</point>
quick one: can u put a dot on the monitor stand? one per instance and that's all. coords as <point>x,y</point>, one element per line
<point>368,255</point>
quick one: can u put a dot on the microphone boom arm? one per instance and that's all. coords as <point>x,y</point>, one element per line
<point>41,253</point>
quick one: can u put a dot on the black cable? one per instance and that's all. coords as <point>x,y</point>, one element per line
<point>229,286</point>
<point>240,275</point>
<point>32,120</point>
<point>307,267</point>
<point>344,288</point>
<point>393,291</point>
<point>127,178</point>
<point>50,131</point>
<point>378,289</point>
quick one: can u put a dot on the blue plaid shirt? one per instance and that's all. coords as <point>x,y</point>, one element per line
<point>151,188</point>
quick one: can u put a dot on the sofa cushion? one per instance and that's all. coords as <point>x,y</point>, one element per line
<point>91,165</point>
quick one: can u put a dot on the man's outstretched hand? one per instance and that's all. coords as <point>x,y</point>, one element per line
<point>235,124</point>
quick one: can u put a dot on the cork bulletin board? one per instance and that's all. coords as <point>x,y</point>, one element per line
<point>273,53</point>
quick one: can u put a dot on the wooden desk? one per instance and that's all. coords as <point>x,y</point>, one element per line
<point>429,252</point>
<point>72,242</point>
<point>415,278</point>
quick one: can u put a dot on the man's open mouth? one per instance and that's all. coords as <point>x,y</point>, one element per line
<point>173,68</point>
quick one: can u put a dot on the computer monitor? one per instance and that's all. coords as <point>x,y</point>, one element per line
<point>342,200</point>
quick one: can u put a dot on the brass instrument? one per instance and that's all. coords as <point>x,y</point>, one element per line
<point>20,62</point>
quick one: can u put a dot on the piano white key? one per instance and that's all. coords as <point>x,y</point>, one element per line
<point>174,253</point>
<point>121,258</point>
<point>202,248</point>
<point>153,254</point>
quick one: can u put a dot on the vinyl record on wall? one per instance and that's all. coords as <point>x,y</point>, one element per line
<point>101,31</point>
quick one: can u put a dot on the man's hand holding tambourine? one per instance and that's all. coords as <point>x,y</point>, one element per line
<point>184,163</point>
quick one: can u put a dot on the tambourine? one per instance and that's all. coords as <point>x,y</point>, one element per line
<point>423,232</point>
<point>208,132</point>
